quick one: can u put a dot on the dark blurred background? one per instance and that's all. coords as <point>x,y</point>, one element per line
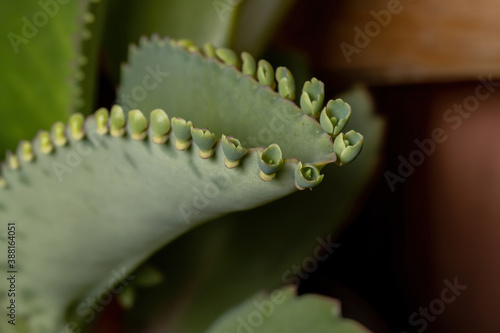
<point>422,64</point>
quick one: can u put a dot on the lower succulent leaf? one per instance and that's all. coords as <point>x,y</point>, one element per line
<point>283,311</point>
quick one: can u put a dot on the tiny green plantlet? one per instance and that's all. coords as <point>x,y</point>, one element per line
<point>160,125</point>
<point>270,161</point>
<point>348,146</point>
<point>313,95</point>
<point>307,176</point>
<point>335,116</point>
<point>286,83</point>
<point>125,182</point>
<point>233,151</point>
<point>182,133</point>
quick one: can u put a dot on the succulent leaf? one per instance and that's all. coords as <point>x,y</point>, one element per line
<point>196,20</point>
<point>230,103</point>
<point>243,266</point>
<point>43,64</point>
<point>283,311</point>
<point>151,190</point>
<point>112,163</point>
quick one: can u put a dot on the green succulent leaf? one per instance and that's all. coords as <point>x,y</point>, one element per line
<point>283,311</point>
<point>198,20</point>
<point>230,103</point>
<point>48,64</point>
<point>238,255</point>
<point>120,190</point>
<point>101,183</point>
